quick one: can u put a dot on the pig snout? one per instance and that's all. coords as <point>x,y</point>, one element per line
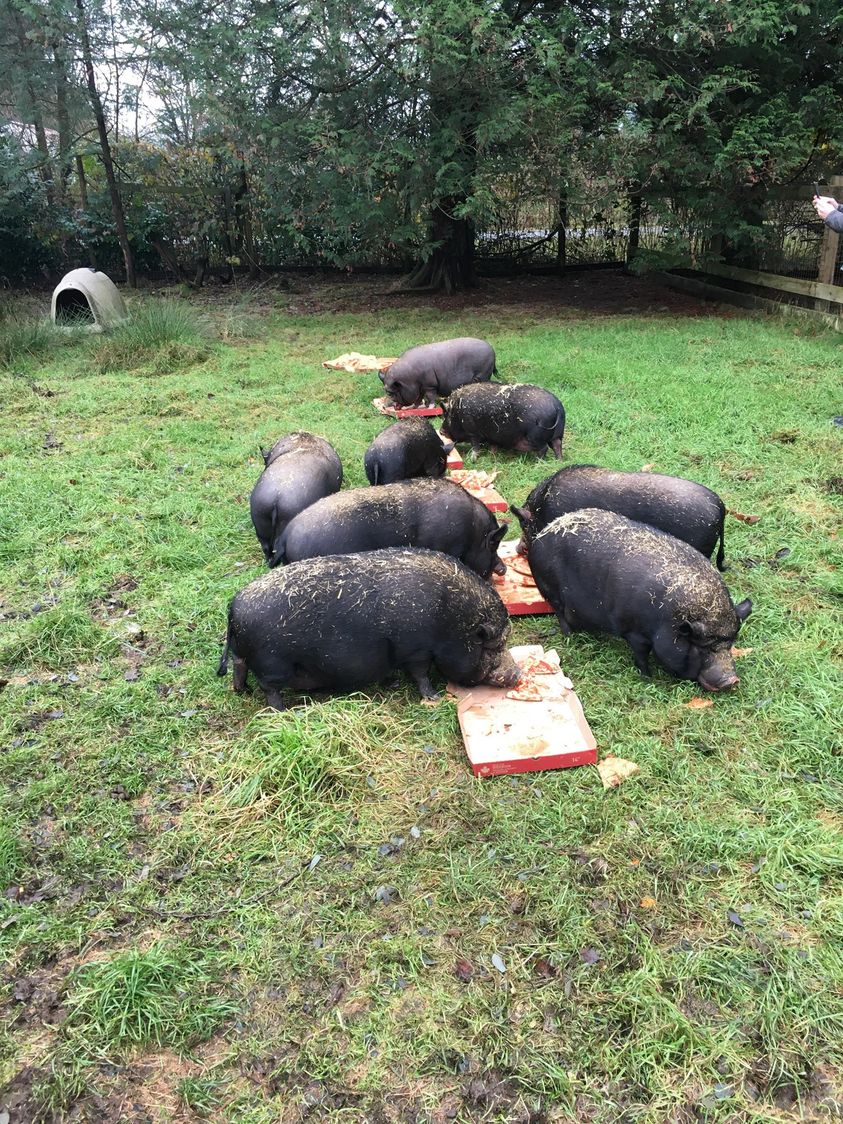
<point>505,673</point>
<point>724,684</point>
<point>499,567</point>
<point>719,674</point>
<point>521,548</point>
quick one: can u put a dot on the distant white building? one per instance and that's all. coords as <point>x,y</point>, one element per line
<point>24,134</point>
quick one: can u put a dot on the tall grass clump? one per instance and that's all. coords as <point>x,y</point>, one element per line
<point>60,637</point>
<point>10,856</point>
<point>292,769</point>
<point>159,336</point>
<point>23,338</point>
<point>164,996</point>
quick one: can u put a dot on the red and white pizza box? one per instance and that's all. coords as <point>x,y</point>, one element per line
<point>516,588</point>
<point>503,735</point>
<point>487,495</point>
<point>454,459</point>
<point>384,407</point>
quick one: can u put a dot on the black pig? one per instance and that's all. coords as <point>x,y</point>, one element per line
<point>435,514</point>
<point>521,417</point>
<point>681,507</point>
<point>300,469</point>
<point>602,572</point>
<point>406,449</point>
<point>343,622</point>
<point>422,372</point>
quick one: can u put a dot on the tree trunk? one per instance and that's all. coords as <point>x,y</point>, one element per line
<point>108,163</point>
<point>561,229</point>
<point>63,123</point>
<point>243,211</point>
<point>83,203</point>
<point>634,198</point>
<point>45,169</point>
<point>451,265</point>
<point>83,183</point>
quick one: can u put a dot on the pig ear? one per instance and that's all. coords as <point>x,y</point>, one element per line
<point>382,376</point>
<point>486,632</point>
<point>689,629</point>
<point>448,447</point>
<point>743,610</point>
<point>496,534</point>
<point>264,453</point>
<point>522,514</point>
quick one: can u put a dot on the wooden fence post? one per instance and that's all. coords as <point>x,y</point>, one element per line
<point>826,268</point>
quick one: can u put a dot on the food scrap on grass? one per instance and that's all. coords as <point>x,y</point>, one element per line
<point>355,363</point>
<point>615,770</point>
<point>384,406</point>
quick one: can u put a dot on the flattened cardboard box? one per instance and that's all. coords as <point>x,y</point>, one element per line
<point>516,588</point>
<point>454,459</point>
<point>381,406</point>
<point>488,496</point>
<point>503,735</point>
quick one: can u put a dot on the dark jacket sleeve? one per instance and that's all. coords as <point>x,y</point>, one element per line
<point>835,220</point>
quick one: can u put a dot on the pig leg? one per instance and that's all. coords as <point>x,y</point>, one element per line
<point>240,673</point>
<point>419,672</point>
<point>641,649</point>
<point>475,452</point>
<point>556,445</point>
<point>563,623</point>
<point>274,700</point>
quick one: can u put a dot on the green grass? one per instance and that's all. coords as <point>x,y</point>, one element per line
<point>159,336</point>
<point>254,916</point>
<point>156,997</point>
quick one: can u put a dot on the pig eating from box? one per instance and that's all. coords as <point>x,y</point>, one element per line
<point>406,449</point>
<point>437,368</point>
<point>349,620</point>
<point>435,514</point>
<point>520,417</point>
<point>300,469</point>
<point>680,507</point>
<point>602,572</point>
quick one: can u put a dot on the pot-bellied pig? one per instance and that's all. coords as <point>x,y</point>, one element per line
<point>435,514</point>
<point>406,449</point>
<point>422,372</point>
<point>300,469</point>
<point>349,620</point>
<point>521,417</point>
<point>602,572</point>
<point>687,510</point>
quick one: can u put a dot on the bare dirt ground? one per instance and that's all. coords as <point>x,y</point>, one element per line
<point>600,292</point>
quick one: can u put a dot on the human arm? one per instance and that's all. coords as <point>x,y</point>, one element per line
<point>830,211</point>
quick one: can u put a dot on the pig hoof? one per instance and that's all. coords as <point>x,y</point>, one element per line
<point>431,700</point>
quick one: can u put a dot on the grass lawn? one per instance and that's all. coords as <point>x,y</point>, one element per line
<point>213,910</point>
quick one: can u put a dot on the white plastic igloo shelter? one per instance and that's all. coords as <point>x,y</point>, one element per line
<point>87,298</point>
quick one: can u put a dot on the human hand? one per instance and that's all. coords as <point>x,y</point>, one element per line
<point>824,205</point>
